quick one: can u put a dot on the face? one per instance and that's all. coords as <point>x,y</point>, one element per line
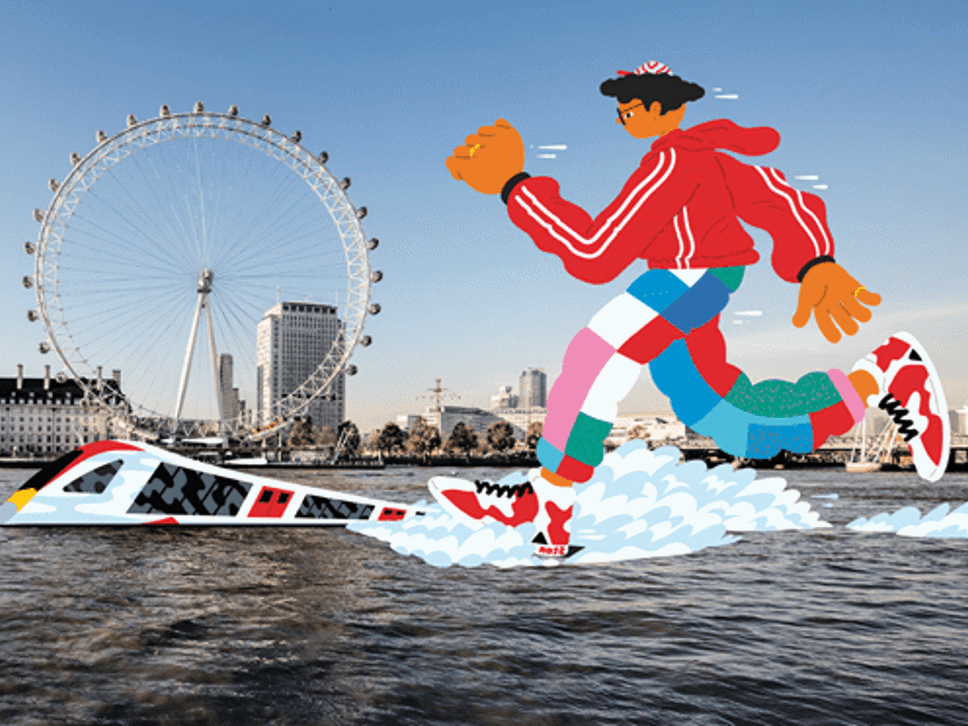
<point>642,122</point>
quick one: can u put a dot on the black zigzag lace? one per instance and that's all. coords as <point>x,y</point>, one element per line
<point>503,490</point>
<point>901,416</point>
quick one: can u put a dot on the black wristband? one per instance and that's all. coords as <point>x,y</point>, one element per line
<point>511,183</point>
<point>815,261</point>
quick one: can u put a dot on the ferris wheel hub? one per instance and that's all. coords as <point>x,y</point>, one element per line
<point>205,279</point>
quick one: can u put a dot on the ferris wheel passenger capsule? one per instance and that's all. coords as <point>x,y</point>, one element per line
<point>38,215</point>
<point>323,157</point>
<point>53,185</point>
<point>44,348</point>
<point>29,247</point>
<point>374,309</point>
<point>132,120</point>
<point>164,111</point>
<point>345,183</point>
<point>32,316</point>
<point>372,243</point>
<point>296,137</point>
<point>61,377</point>
<point>352,370</point>
<point>75,158</point>
<point>366,340</point>
<point>376,276</point>
<point>199,107</point>
<point>361,212</point>
<point>266,120</point>
<point>233,110</point>
<point>27,281</point>
<point>101,136</point>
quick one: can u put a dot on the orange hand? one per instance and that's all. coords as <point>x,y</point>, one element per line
<point>489,158</point>
<point>834,298</point>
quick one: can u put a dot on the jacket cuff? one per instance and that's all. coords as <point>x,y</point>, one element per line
<point>511,183</point>
<point>813,263</point>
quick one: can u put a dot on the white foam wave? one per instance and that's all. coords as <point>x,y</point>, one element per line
<point>640,503</point>
<point>908,522</point>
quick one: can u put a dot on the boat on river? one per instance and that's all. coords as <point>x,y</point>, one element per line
<point>871,451</point>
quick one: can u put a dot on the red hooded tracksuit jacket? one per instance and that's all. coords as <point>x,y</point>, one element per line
<point>679,210</point>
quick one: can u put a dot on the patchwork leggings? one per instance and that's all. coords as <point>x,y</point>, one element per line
<point>669,319</point>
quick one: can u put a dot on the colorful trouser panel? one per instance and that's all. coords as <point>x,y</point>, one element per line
<point>669,319</point>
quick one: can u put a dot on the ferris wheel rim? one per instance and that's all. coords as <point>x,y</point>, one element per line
<point>205,124</point>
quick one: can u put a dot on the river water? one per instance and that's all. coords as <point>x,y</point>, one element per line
<point>307,626</point>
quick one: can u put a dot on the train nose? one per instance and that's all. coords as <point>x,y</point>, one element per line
<point>15,503</point>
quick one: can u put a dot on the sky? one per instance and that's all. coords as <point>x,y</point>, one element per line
<point>870,99</point>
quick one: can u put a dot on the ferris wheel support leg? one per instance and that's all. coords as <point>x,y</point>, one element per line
<point>187,366</point>
<point>213,354</point>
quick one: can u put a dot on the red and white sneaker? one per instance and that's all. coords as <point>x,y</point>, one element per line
<point>910,392</point>
<point>476,503</point>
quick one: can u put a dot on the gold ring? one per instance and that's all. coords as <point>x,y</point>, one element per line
<point>473,149</point>
<point>859,288</point>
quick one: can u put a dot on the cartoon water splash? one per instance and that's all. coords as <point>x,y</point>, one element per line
<point>908,522</point>
<point>640,503</point>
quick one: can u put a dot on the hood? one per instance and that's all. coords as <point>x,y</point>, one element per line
<point>722,134</point>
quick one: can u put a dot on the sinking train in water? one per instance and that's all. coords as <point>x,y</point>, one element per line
<point>127,483</point>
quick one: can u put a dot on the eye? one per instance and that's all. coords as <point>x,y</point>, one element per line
<point>628,114</point>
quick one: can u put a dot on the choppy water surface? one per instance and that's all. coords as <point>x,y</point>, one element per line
<point>289,626</point>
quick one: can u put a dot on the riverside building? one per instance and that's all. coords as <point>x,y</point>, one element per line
<point>293,339</point>
<point>46,416</point>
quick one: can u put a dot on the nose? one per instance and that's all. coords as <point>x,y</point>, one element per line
<point>15,503</point>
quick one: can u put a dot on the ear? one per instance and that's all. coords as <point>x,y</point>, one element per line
<point>655,109</point>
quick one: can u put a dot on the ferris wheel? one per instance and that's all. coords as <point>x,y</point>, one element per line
<point>203,225</point>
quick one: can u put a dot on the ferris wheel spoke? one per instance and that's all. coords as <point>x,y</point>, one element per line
<point>261,225</point>
<point>136,208</point>
<point>150,191</point>
<point>116,253</point>
<point>168,208</point>
<point>127,223</point>
<point>284,239</point>
<point>123,328</point>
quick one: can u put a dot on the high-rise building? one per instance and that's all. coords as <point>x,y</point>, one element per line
<point>293,339</point>
<point>533,389</point>
<point>231,406</point>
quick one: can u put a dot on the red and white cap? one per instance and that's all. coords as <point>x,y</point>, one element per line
<point>652,68</point>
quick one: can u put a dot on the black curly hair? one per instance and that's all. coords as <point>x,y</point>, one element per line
<point>670,91</point>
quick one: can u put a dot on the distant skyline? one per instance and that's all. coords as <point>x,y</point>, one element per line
<point>870,99</point>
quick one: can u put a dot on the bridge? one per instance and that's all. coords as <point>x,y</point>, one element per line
<point>835,452</point>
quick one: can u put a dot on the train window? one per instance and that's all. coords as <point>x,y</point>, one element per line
<point>314,507</point>
<point>177,490</point>
<point>96,481</point>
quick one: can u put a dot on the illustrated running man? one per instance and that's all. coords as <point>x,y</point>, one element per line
<point>680,212</point>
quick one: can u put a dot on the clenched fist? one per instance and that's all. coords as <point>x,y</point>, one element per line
<point>488,158</point>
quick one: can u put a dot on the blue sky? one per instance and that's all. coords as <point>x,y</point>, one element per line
<point>869,97</point>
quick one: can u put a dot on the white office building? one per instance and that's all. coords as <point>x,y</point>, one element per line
<point>293,339</point>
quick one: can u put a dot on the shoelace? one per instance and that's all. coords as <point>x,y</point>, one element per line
<point>905,425</point>
<point>503,490</point>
